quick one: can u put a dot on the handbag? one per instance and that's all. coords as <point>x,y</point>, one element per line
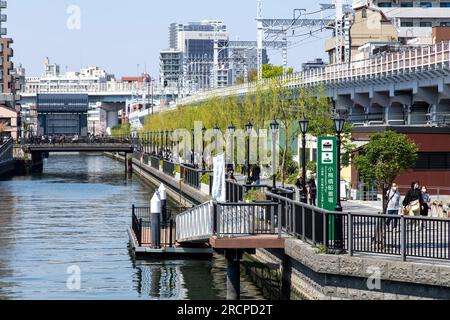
<point>414,208</point>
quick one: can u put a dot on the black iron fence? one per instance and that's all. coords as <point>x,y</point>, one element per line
<point>191,176</point>
<point>142,226</point>
<point>155,162</point>
<point>169,168</point>
<point>402,236</point>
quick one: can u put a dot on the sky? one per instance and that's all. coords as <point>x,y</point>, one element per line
<point>125,37</point>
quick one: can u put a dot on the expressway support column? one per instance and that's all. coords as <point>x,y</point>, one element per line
<point>233,257</point>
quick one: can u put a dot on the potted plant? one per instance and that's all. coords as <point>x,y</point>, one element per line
<point>254,196</point>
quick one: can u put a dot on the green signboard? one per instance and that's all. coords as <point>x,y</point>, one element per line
<point>327,179</point>
<point>326,173</point>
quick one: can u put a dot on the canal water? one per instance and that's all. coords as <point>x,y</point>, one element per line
<point>63,235</point>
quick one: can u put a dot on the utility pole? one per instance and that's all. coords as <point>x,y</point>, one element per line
<point>339,30</point>
<point>259,37</point>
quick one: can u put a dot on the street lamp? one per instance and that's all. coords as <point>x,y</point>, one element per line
<point>167,145</point>
<point>193,148</point>
<point>248,130</point>
<point>339,123</point>
<point>304,124</point>
<point>274,126</point>
<point>203,149</point>
<point>232,130</point>
<point>161,142</point>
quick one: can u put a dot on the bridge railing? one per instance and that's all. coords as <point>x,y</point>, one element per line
<point>241,219</point>
<point>196,224</point>
<point>394,63</point>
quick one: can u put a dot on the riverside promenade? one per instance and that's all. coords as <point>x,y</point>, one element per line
<point>375,264</point>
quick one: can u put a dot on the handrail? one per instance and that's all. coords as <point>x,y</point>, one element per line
<point>196,223</point>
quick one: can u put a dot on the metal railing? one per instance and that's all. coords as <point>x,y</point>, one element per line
<point>403,236</point>
<point>228,219</point>
<point>191,176</point>
<point>155,162</point>
<point>142,226</point>
<point>196,223</point>
<point>72,140</point>
<point>169,168</point>
<point>240,219</point>
<point>235,192</point>
<point>399,63</point>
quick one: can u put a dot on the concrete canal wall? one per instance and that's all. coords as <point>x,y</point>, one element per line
<point>309,274</point>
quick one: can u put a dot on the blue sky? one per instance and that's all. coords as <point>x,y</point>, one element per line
<point>119,35</point>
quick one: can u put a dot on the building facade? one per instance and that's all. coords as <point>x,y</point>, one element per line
<point>192,46</point>
<point>62,114</point>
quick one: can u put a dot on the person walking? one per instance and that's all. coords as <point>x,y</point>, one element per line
<point>413,201</point>
<point>312,191</point>
<point>393,205</point>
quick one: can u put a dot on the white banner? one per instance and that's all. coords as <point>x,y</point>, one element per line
<point>219,187</point>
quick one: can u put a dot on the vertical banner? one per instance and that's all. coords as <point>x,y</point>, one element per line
<point>219,187</point>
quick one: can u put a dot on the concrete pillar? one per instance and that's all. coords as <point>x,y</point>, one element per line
<point>155,209</point>
<point>286,277</point>
<point>408,114</point>
<point>163,197</point>
<point>233,274</point>
<point>433,113</point>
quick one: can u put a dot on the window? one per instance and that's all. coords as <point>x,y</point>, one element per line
<point>406,24</point>
<point>364,13</point>
<point>426,5</point>
<point>445,4</point>
<point>433,161</point>
<point>445,24</point>
<point>406,4</point>
<point>425,24</point>
<point>385,4</point>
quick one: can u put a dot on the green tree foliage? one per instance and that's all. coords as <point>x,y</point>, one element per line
<point>268,71</point>
<point>384,158</point>
<point>121,130</point>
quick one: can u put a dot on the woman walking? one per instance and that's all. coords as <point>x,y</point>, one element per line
<point>413,201</point>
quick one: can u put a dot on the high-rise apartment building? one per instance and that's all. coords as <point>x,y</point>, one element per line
<point>190,57</point>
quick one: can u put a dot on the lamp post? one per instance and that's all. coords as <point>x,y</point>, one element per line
<point>232,130</point>
<point>304,124</point>
<point>167,145</point>
<point>193,148</point>
<point>161,142</point>
<point>339,123</point>
<point>248,130</point>
<point>274,126</point>
<point>203,149</point>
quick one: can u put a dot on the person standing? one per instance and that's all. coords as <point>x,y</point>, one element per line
<point>256,174</point>
<point>426,202</point>
<point>393,205</point>
<point>312,191</point>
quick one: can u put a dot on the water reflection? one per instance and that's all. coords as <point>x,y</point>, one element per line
<point>76,213</point>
